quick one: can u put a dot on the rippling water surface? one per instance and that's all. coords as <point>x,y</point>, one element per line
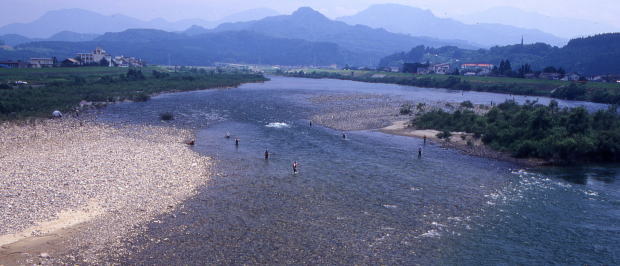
<point>366,198</point>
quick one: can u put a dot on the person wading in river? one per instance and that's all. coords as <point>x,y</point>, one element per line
<point>295,164</point>
<point>236,142</point>
<point>266,154</point>
<point>420,152</point>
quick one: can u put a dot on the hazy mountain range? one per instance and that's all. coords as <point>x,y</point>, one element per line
<point>307,37</point>
<point>161,47</point>
<point>419,22</point>
<point>84,21</point>
<point>563,27</point>
<point>310,25</point>
<point>496,26</point>
<point>63,36</point>
<point>360,45</point>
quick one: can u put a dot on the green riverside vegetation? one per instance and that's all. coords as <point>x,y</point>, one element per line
<point>533,130</point>
<point>64,88</point>
<point>594,92</point>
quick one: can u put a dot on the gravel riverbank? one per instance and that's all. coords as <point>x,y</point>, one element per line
<point>71,185</point>
<point>348,112</point>
<point>356,111</point>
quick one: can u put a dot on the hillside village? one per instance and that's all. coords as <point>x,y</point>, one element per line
<point>98,57</point>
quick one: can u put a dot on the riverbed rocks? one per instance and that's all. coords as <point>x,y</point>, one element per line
<point>355,111</point>
<point>352,111</point>
<point>91,180</point>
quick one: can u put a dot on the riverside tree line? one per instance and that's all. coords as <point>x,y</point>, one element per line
<point>64,92</point>
<point>559,135</point>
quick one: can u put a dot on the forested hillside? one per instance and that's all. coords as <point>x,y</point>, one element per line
<point>598,54</point>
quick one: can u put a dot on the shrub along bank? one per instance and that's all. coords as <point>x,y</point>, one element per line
<point>540,131</point>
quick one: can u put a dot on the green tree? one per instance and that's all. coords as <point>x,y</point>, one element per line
<point>578,121</point>
<point>524,69</point>
<point>535,130</point>
<point>467,104</point>
<point>104,62</point>
<point>570,92</point>
<point>135,74</point>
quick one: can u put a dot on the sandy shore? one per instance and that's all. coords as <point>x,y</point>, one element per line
<point>70,185</point>
<point>458,138</point>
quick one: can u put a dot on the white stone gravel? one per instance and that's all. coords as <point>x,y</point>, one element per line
<point>356,111</point>
<point>351,111</point>
<point>132,173</point>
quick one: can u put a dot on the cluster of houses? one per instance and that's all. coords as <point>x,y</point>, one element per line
<point>476,69</point>
<point>98,57</point>
<point>479,69</point>
<point>442,69</point>
<point>446,68</point>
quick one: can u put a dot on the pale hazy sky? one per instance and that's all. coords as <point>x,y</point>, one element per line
<point>605,11</point>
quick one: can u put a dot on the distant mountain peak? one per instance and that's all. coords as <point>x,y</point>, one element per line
<point>308,13</point>
<point>420,22</point>
<point>86,21</point>
<point>139,35</point>
<point>560,26</point>
<point>310,25</point>
<point>195,30</point>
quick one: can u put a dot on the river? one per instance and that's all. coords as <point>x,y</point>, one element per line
<point>366,199</point>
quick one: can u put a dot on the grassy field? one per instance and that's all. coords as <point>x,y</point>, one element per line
<point>65,74</point>
<point>64,88</point>
<point>589,91</point>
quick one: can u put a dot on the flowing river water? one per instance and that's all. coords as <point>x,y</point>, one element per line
<point>366,199</point>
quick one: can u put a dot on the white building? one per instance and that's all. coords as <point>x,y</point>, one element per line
<point>441,68</point>
<point>95,57</point>
<point>121,61</point>
<point>42,62</point>
<point>479,69</point>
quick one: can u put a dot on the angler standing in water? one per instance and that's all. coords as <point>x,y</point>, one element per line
<point>236,142</point>
<point>424,139</point>
<point>295,164</point>
<point>344,136</point>
<point>420,152</point>
<point>266,154</point>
